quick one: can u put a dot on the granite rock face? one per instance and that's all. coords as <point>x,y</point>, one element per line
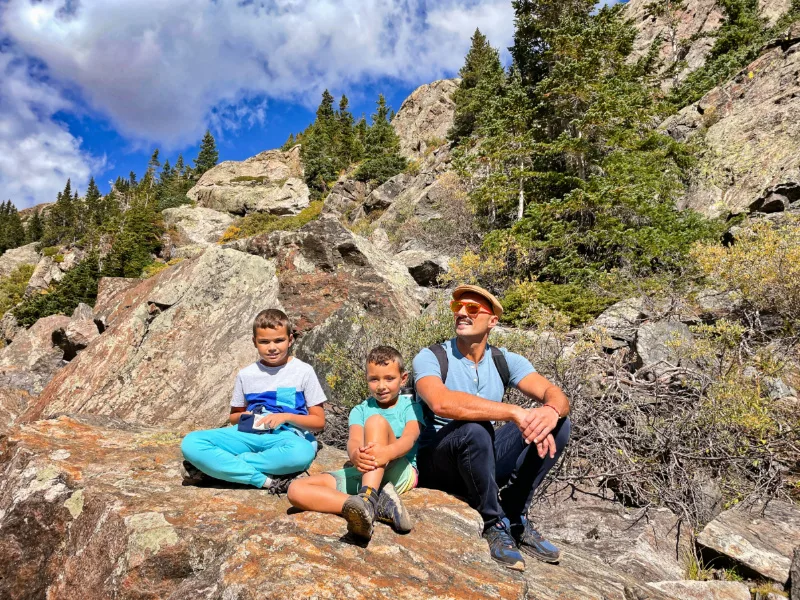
<point>704,590</point>
<point>198,225</point>
<point>426,115</point>
<point>694,28</point>
<point>763,542</point>
<point>268,182</point>
<point>33,358</point>
<point>172,344</point>
<point>751,136</point>
<point>16,257</point>
<point>324,266</point>
<point>93,507</point>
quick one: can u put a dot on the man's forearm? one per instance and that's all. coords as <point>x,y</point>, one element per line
<point>461,406</point>
<point>553,396</point>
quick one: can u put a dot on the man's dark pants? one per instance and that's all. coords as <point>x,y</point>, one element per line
<point>473,460</point>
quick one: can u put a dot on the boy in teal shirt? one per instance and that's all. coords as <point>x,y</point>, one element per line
<point>382,447</point>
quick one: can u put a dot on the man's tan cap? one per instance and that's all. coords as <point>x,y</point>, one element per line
<point>463,289</point>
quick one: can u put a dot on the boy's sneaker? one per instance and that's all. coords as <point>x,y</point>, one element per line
<point>279,484</point>
<point>390,510</point>
<point>192,475</point>
<point>359,511</point>
<point>533,543</point>
<point>502,546</point>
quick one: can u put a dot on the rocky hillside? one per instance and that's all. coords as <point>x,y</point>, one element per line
<point>93,405</point>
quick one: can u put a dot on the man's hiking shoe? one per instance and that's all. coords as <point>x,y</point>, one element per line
<point>279,484</point>
<point>533,543</point>
<point>390,510</point>
<point>359,511</point>
<point>192,475</point>
<point>502,546</point>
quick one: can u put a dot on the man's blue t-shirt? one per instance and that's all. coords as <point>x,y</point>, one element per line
<point>463,375</point>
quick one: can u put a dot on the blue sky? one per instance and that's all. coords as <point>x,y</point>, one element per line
<point>90,87</point>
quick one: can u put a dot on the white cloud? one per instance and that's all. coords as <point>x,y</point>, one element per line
<point>37,153</point>
<point>163,70</point>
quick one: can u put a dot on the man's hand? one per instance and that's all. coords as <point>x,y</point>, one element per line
<point>546,446</point>
<point>538,424</point>
<point>272,420</point>
<point>379,453</point>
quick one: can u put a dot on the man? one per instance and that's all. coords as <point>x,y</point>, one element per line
<point>461,453</point>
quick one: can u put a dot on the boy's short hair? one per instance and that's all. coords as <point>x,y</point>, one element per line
<point>272,318</point>
<point>383,355</point>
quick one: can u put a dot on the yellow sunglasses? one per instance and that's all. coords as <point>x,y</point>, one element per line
<point>473,308</point>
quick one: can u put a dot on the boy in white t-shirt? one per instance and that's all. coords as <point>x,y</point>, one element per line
<point>277,403</point>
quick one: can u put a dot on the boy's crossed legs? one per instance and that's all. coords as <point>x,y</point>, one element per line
<point>247,458</point>
<point>356,495</point>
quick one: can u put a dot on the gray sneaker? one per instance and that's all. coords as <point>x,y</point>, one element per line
<point>192,475</point>
<point>533,543</point>
<point>279,484</point>
<point>360,516</point>
<point>392,511</point>
<point>502,547</point>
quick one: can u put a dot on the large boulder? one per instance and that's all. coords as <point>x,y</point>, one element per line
<point>196,225</point>
<point>647,545</point>
<point>323,266</point>
<point>704,590</point>
<point>93,508</point>
<point>426,115</point>
<point>268,182</point>
<point>425,267</point>
<point>172,344</point>
<point>16,257</point>
<point>661,345</point>
<point>751,136</point>
<point>13,403</point>
<point>33,358</point>
<point>51,269</point>
<point>81,331</point>
<point>762,540</point>
<point>694,27</point>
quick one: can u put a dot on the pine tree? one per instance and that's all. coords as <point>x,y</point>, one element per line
<point>60,224</point>
<point>208,156</point>
<point>382,148</point>
<point>318,152</point>
<point>94,207</point>
<point>289,143</point>
<point>12,233</point>
<point>481,80</point>
<point>348,148</point>
<point>34,229</point>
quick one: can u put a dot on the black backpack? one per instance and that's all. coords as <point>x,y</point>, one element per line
<point>498,357</point>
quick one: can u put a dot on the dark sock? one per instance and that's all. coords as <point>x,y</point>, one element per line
<point>370,494</point>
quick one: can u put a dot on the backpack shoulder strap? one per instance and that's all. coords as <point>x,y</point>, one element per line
<point>501,364</point>
<point>441,355</point>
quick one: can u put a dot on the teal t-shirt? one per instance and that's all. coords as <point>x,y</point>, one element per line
<point>405,409</point>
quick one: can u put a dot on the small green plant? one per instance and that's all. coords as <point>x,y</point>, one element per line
<point>250,178</point>
<point>259,223</point>
<point>58,258</point>
<point>412,168</point>
<point>50,251</point>
<point>13,287</point>
<point>695,568</point>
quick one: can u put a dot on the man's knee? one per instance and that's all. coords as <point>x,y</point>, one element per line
<point>561,436</point>
<point>477,435</point>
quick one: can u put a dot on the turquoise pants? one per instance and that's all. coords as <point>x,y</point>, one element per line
<point>247,458</point>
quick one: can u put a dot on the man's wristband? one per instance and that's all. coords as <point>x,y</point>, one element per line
<point>554,408</point>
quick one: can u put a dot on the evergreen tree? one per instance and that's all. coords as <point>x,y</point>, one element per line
<point>94,206</point>
<point>348,148</point>
<point>481,80</point>
<point>208,156</point>
<point>382,148</point>
<point>60,223</point>
<point>12,233</point>
<point>318,153</point>
<point>34,229</point>
<point>289,143</point>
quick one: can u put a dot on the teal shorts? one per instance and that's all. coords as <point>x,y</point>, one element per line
<point>399,473</point>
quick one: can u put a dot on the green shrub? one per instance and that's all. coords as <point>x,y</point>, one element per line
<point>259,179</point>
<point>13,287</point>
<point>78,285</point>
<point>258,223</point>
<point>50,251</point>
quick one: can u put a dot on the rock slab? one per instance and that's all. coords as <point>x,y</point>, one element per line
<point>16,257</point>
<point>763,542</point>
<point>427,114</point>
<point>196,225</point>
<point>704,590</point>
<point>93,508</point>
<point>172,344</point>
